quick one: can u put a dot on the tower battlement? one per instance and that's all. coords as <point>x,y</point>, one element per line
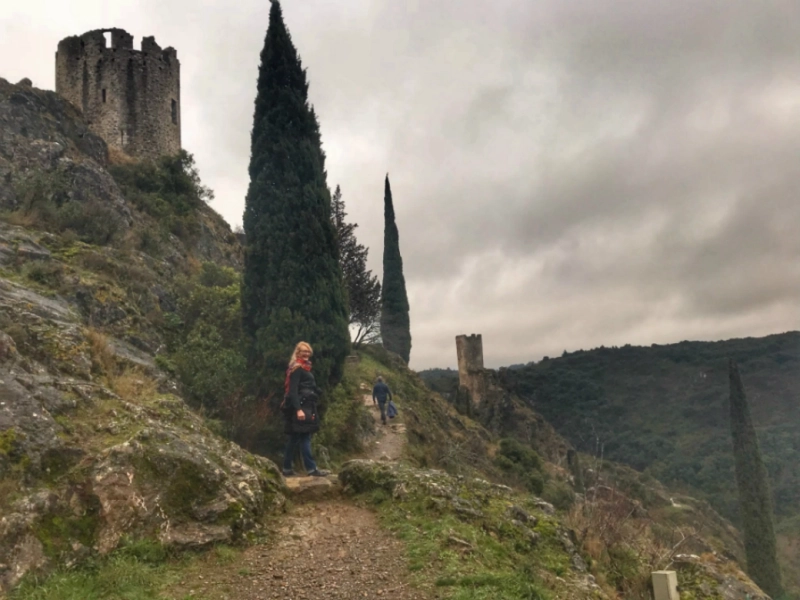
<point>130,98</point>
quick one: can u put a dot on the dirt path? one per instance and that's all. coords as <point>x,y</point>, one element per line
<point>391,438</point>
<point>325,549</point>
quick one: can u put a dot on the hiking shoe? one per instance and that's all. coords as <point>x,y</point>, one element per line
<point>319,473</point>
<point>288,473</point>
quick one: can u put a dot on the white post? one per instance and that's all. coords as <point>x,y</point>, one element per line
<point>665,585</point>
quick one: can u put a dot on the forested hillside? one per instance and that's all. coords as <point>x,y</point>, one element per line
<point>664,409</point>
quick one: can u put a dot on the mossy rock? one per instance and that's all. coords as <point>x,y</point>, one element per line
<point>366,475</point>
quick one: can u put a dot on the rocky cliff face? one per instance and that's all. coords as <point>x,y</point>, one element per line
<point>96,445</point>
<point>47,150</point>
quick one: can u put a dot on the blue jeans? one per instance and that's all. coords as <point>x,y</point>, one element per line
<point>382,405</point>
<point>304,441</point>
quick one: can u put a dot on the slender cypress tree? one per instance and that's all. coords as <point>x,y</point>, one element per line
<point>755,499</point>
<point>292,286</point>
<point>395,325</point>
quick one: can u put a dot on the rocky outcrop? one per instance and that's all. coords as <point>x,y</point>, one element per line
<point>32,119</point>
<point>96,445</point>
<point>713,576</point>
<point>45,148</point>
<point>82,467</point>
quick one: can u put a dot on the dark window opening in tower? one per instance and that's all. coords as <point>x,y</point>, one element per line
<point>174,112</point>
<point>104,96</point>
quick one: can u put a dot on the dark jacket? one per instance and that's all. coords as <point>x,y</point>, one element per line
<point>380,392</point>
<point>303,395</point>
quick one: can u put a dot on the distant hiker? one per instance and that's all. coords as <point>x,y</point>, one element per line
<point>380,393</point>
<point>300,410</point>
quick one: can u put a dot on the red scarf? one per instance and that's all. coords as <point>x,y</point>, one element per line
<point>298,363</point>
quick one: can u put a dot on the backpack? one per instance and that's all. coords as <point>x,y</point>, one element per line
<point>391,410</point>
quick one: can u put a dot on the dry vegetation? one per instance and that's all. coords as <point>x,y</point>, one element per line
<point>621,542</point>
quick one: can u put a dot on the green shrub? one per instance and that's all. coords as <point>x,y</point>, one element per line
<point>210,369</point>
<point>169,190</point>
<point>169,186</point>
<point>522,463</point>
<point>624,566</point>
<point>344,420</point>
<point>535,482</point>
<point>505,463</point>
<point>524,456</point>
<point>151,240</point>
<point>212,275</point>
<point>559,494</point>
<point>50,274</point>
<point>205,340</point>
<point>92,221</point>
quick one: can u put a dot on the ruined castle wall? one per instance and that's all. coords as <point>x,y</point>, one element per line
<point>130,98</point>
<point>469,349</point>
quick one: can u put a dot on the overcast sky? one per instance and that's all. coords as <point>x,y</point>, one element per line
<point>566,173</point>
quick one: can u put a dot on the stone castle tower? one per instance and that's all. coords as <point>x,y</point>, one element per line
<point>130,98</point>
<point>471,379</point>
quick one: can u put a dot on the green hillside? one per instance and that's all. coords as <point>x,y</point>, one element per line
<point>662,409</point>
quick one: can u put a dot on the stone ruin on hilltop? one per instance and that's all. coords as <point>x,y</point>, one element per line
<point>471,377</point>
<point>130,98</point>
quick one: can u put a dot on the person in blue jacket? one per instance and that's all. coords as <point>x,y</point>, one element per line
<point>380,395</point>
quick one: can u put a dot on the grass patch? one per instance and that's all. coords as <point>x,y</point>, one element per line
<point>138,571</point>
<point>475,558</point>
<point>133,385</point>
<point>103,359</point>
<point>225,555</point>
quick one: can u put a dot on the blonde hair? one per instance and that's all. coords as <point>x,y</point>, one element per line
<point>300,346</point>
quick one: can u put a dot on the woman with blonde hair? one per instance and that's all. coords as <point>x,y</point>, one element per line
<point>300,410</point>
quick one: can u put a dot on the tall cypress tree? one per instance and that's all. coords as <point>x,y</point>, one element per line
<point>292,286</point>
<point>755,500</point>
<point>395,325</point>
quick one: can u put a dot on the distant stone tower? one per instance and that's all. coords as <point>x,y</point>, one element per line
<point>130,98</point>
<point>469,349</point>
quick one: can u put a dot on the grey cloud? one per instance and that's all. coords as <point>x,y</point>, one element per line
<point>566,173</point>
